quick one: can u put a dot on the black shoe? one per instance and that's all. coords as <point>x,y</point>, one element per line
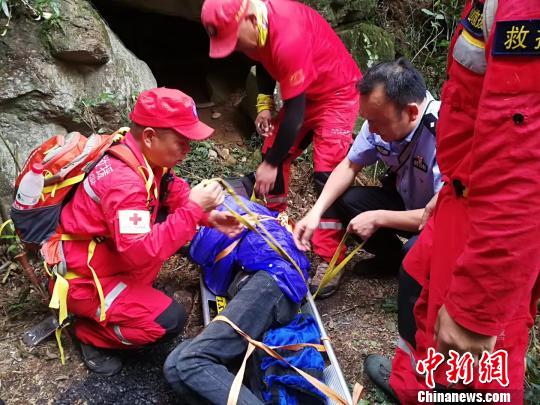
<point>374,268</point>
<point>100,361</point>
<point>378,369</point>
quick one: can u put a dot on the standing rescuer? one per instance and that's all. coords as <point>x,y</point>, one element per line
<point>296,47</point>
<point>477,261</point>
<point>117,208</point>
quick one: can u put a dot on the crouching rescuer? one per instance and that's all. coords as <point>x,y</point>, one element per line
<point>128,216</point>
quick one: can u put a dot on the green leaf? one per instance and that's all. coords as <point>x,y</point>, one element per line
<point>428,12</point>
<point>5,8</point>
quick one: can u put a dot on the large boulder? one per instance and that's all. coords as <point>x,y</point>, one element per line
<point>90,87</point>
<point>338,12</point>
<point>368,44</point>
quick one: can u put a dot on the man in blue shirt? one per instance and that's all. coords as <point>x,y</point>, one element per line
<point>400,131</point>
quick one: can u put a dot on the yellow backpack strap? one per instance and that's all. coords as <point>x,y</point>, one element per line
<point>124,153</point>
<point>66,183</point>
<point>59,302</point>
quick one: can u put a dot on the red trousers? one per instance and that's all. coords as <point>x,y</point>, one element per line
<point>136,314</point>
<point>430,262</point>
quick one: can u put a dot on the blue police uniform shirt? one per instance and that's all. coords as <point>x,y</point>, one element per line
<point>419,178</point>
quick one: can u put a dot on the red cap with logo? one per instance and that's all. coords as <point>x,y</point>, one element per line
<point>169,108</point>
<point>222,18</point>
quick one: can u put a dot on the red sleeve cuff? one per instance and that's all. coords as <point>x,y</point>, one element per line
<point>200,216</point>
<point>483,325</point>
<point>205,219</point>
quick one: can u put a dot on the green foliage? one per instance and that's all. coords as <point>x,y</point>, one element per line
<point>199,166</point>
<point>423,30</point>
<point>434,35</point>
<point>87,109</point>
<point>9,238</point>
<point>41,10</point>
<point>532,380</point>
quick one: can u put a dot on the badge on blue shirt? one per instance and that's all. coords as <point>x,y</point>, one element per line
<point>419,163</point>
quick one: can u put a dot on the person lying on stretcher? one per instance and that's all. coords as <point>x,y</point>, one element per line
<point>267,291</point>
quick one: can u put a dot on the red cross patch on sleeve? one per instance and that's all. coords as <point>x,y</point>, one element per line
<point>134,221</point>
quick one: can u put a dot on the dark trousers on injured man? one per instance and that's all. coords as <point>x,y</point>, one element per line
<point>197,369</point>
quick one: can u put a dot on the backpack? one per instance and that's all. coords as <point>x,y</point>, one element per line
<point>67,160</point>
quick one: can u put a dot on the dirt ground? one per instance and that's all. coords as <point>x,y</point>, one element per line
<point>360,319</point>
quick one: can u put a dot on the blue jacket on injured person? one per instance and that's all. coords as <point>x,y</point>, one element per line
<point>219,255</point>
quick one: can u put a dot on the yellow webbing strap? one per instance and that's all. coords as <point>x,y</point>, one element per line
<point>61,288</point>
<point>334,270</point>
<point>254,198</point>
<point>225,252</point>
<point>257,227</point>
<point>9,221</point>
<point>46,267</point>
<point>66,183</point>
<point>59,301</point>
<point>148,180</point>
<point>91,249</point>
<point>271,351</point>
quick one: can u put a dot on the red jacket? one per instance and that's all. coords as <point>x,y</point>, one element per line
<point>95,210</point>
<point>496,276</point>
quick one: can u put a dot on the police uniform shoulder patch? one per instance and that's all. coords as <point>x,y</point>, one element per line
<point>430,122</point>
<point>382,150</point>
<point>474,19</point>
<point>517,38</point>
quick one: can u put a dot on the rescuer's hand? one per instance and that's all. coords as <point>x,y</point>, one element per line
<point>263,123</point>
<point>265,178</point>
<point>225,222</point>
<point>304,229</point>
<point>449,335</point>
<point>207,194</point>
<point>428,211</point>
<point>365,224</point>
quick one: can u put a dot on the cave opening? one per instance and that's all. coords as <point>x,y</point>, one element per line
<point>176,50</point>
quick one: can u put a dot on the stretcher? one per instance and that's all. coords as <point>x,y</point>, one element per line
<point>332,374</point>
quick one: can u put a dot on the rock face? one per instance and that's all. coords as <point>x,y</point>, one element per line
<point>60,76</point>
<point>338,12</point>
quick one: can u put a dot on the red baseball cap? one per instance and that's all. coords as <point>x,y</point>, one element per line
<point>221,19</point>
<point>169,108</point>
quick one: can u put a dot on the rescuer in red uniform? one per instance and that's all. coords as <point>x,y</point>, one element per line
<point>477,262</point>
<point>116,206</point>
